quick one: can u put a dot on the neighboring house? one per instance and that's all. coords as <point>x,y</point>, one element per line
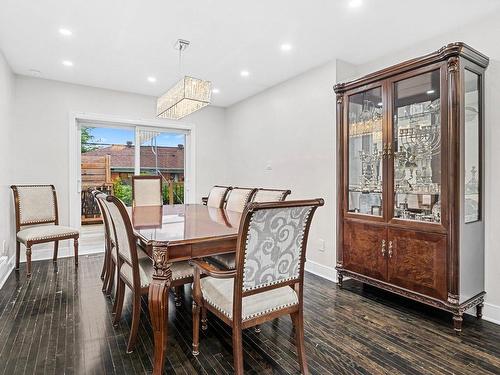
<point>168,160</point>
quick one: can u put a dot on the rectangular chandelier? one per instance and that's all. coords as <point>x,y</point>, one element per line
<point>185,97</point>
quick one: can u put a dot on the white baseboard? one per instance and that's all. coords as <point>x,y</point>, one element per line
<point>491,313</point>
<point>6,267</point>
<point>321,270</point>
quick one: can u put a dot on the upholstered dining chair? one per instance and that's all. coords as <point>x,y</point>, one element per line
<point>270,195</point>
<point>259,195</point>
<point>134,269</point>
<point>37,221</point>
<point>238,198</point>
<point>109,266</point>
<point>269,277</point>
<point>146,191</point>
<point>217,196</point>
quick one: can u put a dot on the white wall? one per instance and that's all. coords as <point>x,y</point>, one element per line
<point>6,121</point>
<point>42,109</point>
<point>482,36</point>
<point>290,128</point>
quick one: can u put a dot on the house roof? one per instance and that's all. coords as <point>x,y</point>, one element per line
<point>122,156</point>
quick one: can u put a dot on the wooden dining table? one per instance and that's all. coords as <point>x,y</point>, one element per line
<point>174,233</point>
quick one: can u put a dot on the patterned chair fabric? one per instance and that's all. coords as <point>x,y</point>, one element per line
<point>36,204</point>
<point>217,196</point>
<point>269,195</point>
<point>147,191</point>
<point>273,246</point>
<point>272,255</point>
<point>238,199</point>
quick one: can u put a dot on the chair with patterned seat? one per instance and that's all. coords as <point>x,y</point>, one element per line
<point>146,190</point>
<point>37,221</point>
<point>269,277</point>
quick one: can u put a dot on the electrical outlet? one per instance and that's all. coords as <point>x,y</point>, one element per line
<point>321,244</point>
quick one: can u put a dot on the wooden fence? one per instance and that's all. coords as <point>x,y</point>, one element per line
<point>96,174</point>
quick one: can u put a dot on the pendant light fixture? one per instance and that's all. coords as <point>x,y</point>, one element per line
<point>186,96</point>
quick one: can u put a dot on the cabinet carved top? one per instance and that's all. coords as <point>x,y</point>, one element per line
<point>452,50</point>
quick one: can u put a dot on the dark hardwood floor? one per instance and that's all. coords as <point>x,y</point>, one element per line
<point>60,323</point>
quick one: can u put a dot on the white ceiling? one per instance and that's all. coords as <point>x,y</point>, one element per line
<point>117,44</point>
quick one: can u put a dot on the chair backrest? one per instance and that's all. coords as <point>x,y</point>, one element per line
<point>125,240</point>
<point>146,191</point>
<point>270,195</point>
<point>217,196</point>
<point>238,198</point>
<point>109,232</point>
<point>35,204</point>
<point>271,248</point>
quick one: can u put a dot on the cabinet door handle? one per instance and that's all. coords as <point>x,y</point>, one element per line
<point>390,249</point>
<point>383,248</point>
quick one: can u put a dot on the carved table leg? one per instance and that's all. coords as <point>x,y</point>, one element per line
<point>457,322</point>
<point>340,279</point>
<point>479,310</point>
<point>158,306</point>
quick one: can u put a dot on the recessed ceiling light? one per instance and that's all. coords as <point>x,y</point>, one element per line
<point>65,32</point>
<point>286,47</point>
<point>152,79</point>
<point>67,63</point>
<point>244,73</point>
<point>215,90</point>
<point>430,92</point>
<point>355,3</point>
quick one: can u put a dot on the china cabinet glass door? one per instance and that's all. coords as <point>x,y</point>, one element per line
<point>365,161</point>
<point>417,148</point>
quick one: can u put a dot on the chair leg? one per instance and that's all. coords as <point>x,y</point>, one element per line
<point>298,322</point>
<point>204,320</point>
<point>28,261</point>
<point>136,314</point>
<point>237,350</point>
<point>117,308</point>
<point>178,292</point>
<point>56,248</point>
<point>105,265</point>
<point>76,251</point>
<point>18,254</point>
<point>196,328</point>
<point>111,277</point>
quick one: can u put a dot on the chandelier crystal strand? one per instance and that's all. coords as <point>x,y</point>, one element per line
<point>186,96</point>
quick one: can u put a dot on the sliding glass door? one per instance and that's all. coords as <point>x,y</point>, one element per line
<point>162,153</point>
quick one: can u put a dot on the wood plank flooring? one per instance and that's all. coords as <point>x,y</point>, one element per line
<point>60,323</point>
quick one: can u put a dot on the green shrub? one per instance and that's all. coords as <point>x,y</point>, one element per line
<point>122,191</point>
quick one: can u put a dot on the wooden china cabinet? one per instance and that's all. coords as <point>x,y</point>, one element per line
<point>411,182</point>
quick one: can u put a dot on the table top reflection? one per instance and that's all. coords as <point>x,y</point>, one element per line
<point>184,223</point>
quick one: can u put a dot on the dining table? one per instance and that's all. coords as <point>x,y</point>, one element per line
<point>174,233</point>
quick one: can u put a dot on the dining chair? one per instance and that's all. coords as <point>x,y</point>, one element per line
<point>270,195</point>
<point>109,266</point>
<point>217,196</point>
<point>146,191</point>
<point>135,271</point>
<point>37,221</point>
<point>268,281</point>
<point>238,198</point>
<point>260,195</point>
